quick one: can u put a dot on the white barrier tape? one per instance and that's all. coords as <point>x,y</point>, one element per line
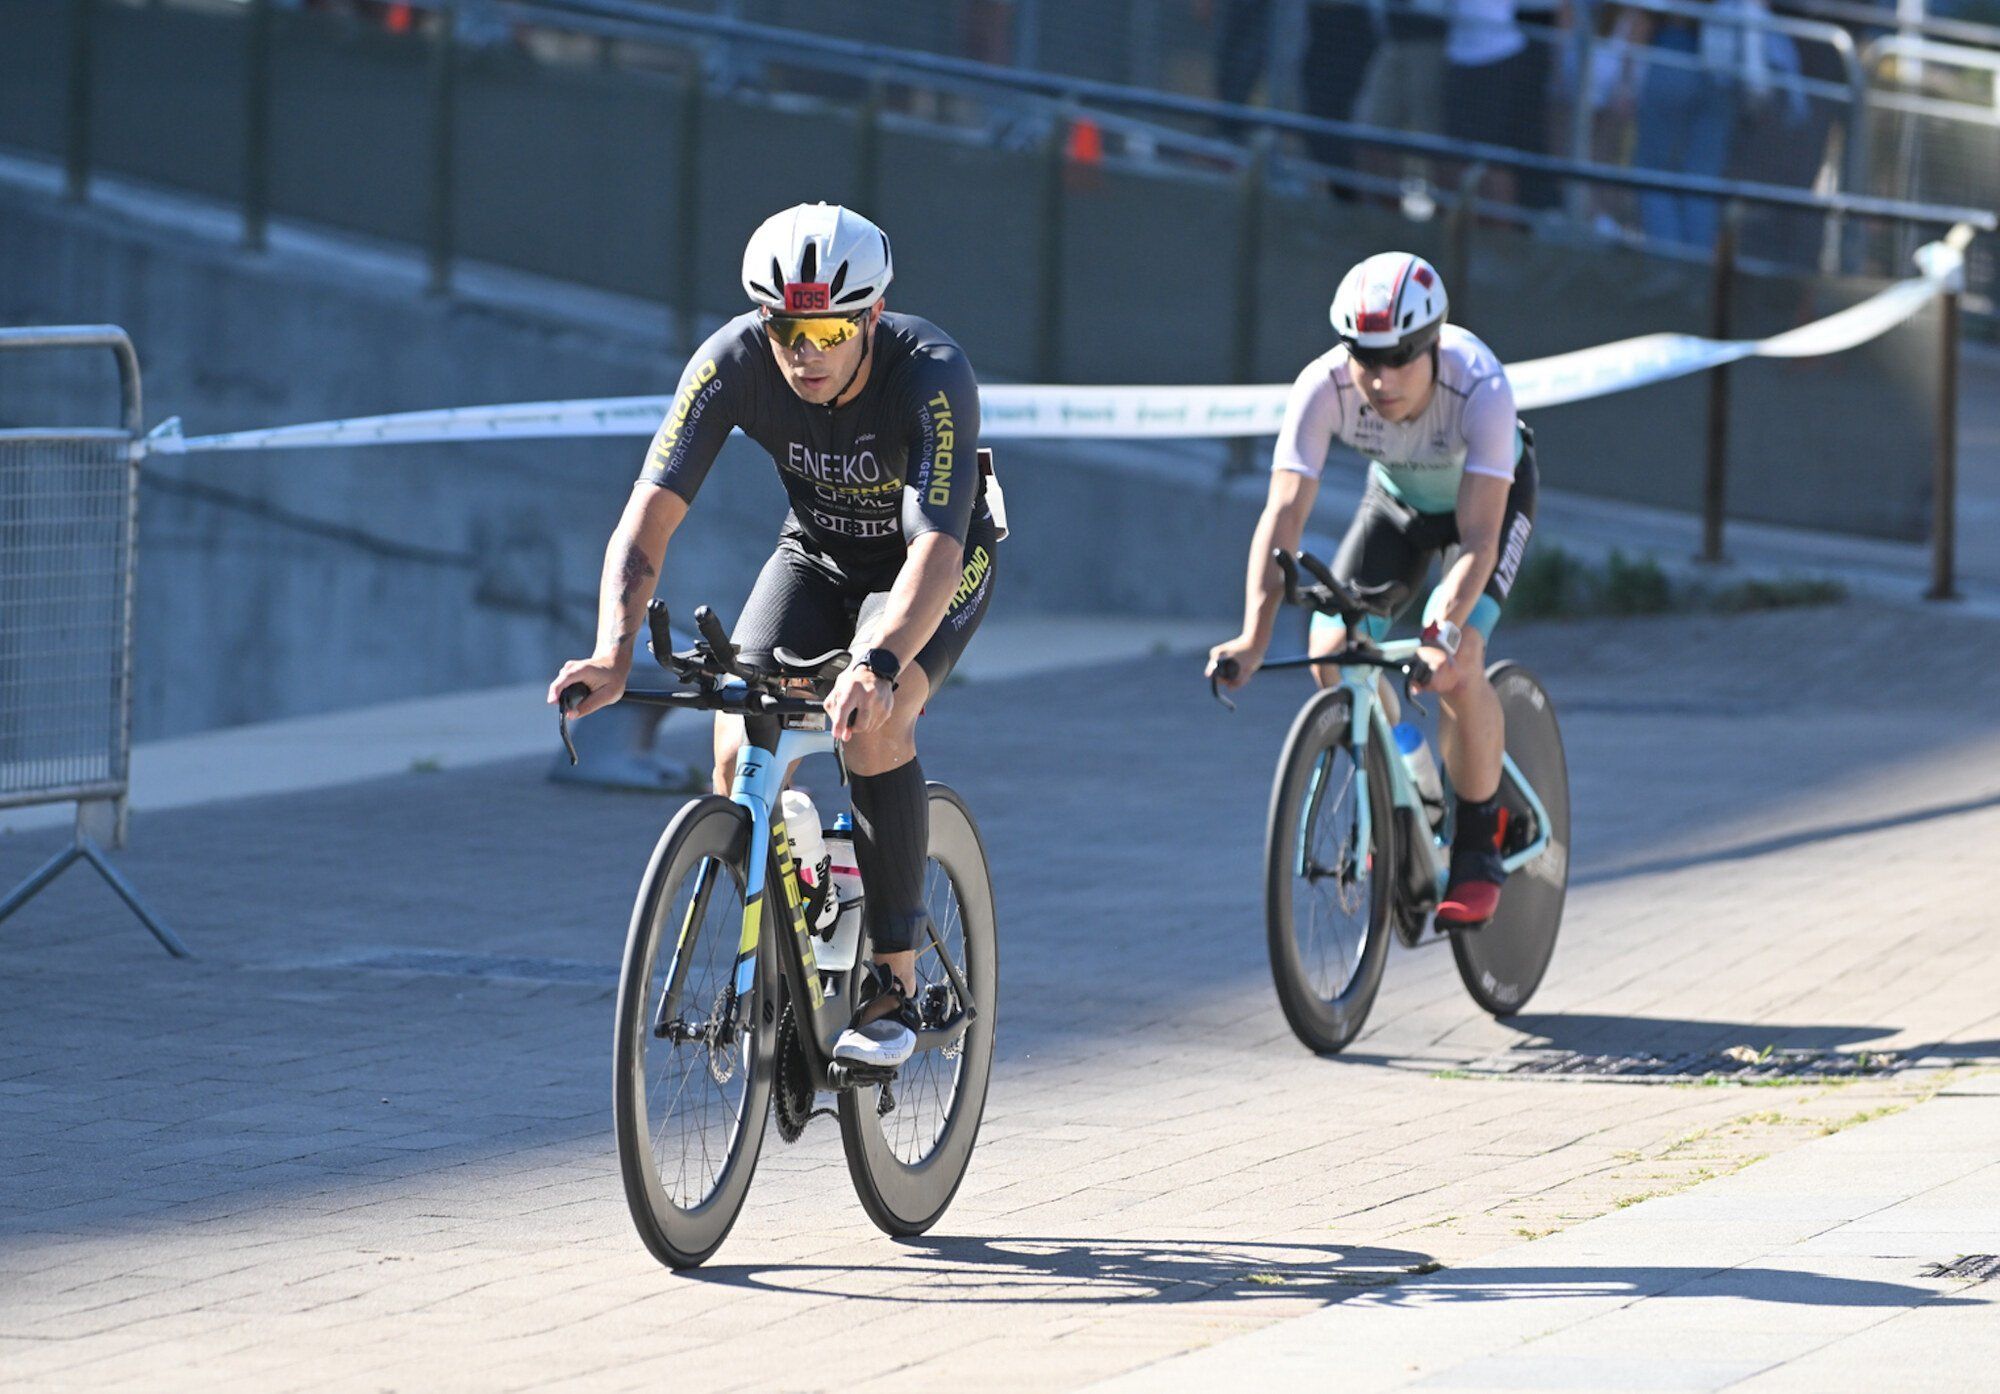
<point>1027,412</point>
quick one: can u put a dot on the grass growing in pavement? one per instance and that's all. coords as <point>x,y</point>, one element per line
<point>1557,584</point>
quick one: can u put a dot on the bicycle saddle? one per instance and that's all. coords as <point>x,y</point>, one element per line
<point>830,664</point>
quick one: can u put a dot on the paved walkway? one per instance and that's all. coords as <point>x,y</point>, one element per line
<point>1832,1268</point>
<point>364,1140</point>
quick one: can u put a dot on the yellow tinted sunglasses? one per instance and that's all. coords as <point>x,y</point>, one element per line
<point>824,331</point>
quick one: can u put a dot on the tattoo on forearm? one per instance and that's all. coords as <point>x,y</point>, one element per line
<point>634,572</point>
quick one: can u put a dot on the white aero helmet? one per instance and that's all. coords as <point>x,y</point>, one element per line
<point>817,259</point>
<point>1389,308</point>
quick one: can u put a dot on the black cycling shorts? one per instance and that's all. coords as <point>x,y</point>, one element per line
<point>805,601</point>
<point>1390,542</point>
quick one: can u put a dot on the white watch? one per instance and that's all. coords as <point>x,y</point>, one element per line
<point>1444,634</point>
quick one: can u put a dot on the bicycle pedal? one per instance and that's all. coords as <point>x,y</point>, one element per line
<point>843,1074</point>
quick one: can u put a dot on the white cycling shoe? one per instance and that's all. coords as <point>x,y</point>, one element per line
<point>884,1033</point>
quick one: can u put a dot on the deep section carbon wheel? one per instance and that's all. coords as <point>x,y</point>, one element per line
<point>1328,879</point>
<point>693,1057</point>
<point>907,1160</point>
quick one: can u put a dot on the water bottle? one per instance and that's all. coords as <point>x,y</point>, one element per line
<point>1423,768</point>
<point>839,953</point>
<point>815,866</point>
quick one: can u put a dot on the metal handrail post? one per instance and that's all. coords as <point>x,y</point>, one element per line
<point>1249,272</point>
<point>1048,308</point>
<point>688,213</point>
<point>1458,238</point>
<point>868,150</point>
<point>1715,475</point>
<point>444,123</point>
<point>1944,465</point>
<point>1585,47</point>
<point>257,125</point>
<point>77,133</point>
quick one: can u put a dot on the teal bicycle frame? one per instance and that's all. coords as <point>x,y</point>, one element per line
<point>1371,724</point>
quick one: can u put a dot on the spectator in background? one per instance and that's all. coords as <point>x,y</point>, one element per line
<point>1404,86</point>
<point>1496,88</point>
<point>1340,40</point>
<point>1242,44</point>
<point>1610,92</point>
<point>1701,76</point>
<point>1787,139</point>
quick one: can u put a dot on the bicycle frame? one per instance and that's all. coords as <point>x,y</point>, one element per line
<point>760,780</point>
<point>1371,724</point>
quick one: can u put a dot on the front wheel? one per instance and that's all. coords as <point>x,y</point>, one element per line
<point>693,1058</point>
<point>1502,963</point>
<point>907,1163</point>
<point>1327,881</point>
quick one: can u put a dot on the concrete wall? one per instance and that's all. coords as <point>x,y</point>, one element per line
<point>288,582</point>
<point>294,582</point>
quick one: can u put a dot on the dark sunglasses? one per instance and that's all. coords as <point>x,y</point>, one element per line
<point>1401,356</point>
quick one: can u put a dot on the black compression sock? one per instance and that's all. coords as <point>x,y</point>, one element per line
<point>1478,825</point>
<point>891,842</point>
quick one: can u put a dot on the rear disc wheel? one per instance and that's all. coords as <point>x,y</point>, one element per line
<point>1502,963</point>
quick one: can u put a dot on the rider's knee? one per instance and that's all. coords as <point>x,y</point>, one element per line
<point>878,752</point>
<point>1468,665</point>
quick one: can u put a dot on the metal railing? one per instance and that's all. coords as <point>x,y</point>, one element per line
<point>1935,113</point>
<point>69,509</point>
<point>1873,19</point>
<point>873,85</point>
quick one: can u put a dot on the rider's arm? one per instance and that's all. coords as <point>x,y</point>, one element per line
<point>1492,442</point>
<point>705,409</point>
<point>1312,415</point>
<point>1482,504</point>
<point>920,596</point>
<point>632,563</point>
<point>941,483</point>
<point>1282,524</point>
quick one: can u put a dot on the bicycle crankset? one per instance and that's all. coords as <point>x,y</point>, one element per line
<point>792,1095</point>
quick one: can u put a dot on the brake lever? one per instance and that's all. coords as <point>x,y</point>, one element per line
<point>1225,669</point>
<point>1411,680</point>
<point>572,697</point>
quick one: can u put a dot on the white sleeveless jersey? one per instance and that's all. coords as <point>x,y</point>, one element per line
<point>1469,424</point>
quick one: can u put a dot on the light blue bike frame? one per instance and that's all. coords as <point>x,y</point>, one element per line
<point>1371,724</point>
<point>760,779</point>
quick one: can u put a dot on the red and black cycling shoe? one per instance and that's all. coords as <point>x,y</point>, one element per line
<point>1474,893</point>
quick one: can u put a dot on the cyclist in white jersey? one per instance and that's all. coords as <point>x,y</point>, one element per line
<point>1452,467</point>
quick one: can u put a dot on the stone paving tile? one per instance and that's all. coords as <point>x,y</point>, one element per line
<point>294,1175</point>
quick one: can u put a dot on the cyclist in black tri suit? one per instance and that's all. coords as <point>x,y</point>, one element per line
<point>889,547</point>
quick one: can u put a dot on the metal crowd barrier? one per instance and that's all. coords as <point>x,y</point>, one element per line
<point>69,507</point>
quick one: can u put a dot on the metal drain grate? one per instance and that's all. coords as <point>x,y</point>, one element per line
<point>1735,1065</point>
<point>1977,1268</point>
<point>520,967</point>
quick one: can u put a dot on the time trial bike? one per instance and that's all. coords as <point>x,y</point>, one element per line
<point>726,1015</point>
<point>1353,849</point>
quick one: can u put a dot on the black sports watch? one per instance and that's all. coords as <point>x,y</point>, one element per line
<point>881,663</point>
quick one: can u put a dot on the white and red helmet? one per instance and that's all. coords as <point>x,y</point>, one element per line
<point>817,259</point>
<point>1391,304</point>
